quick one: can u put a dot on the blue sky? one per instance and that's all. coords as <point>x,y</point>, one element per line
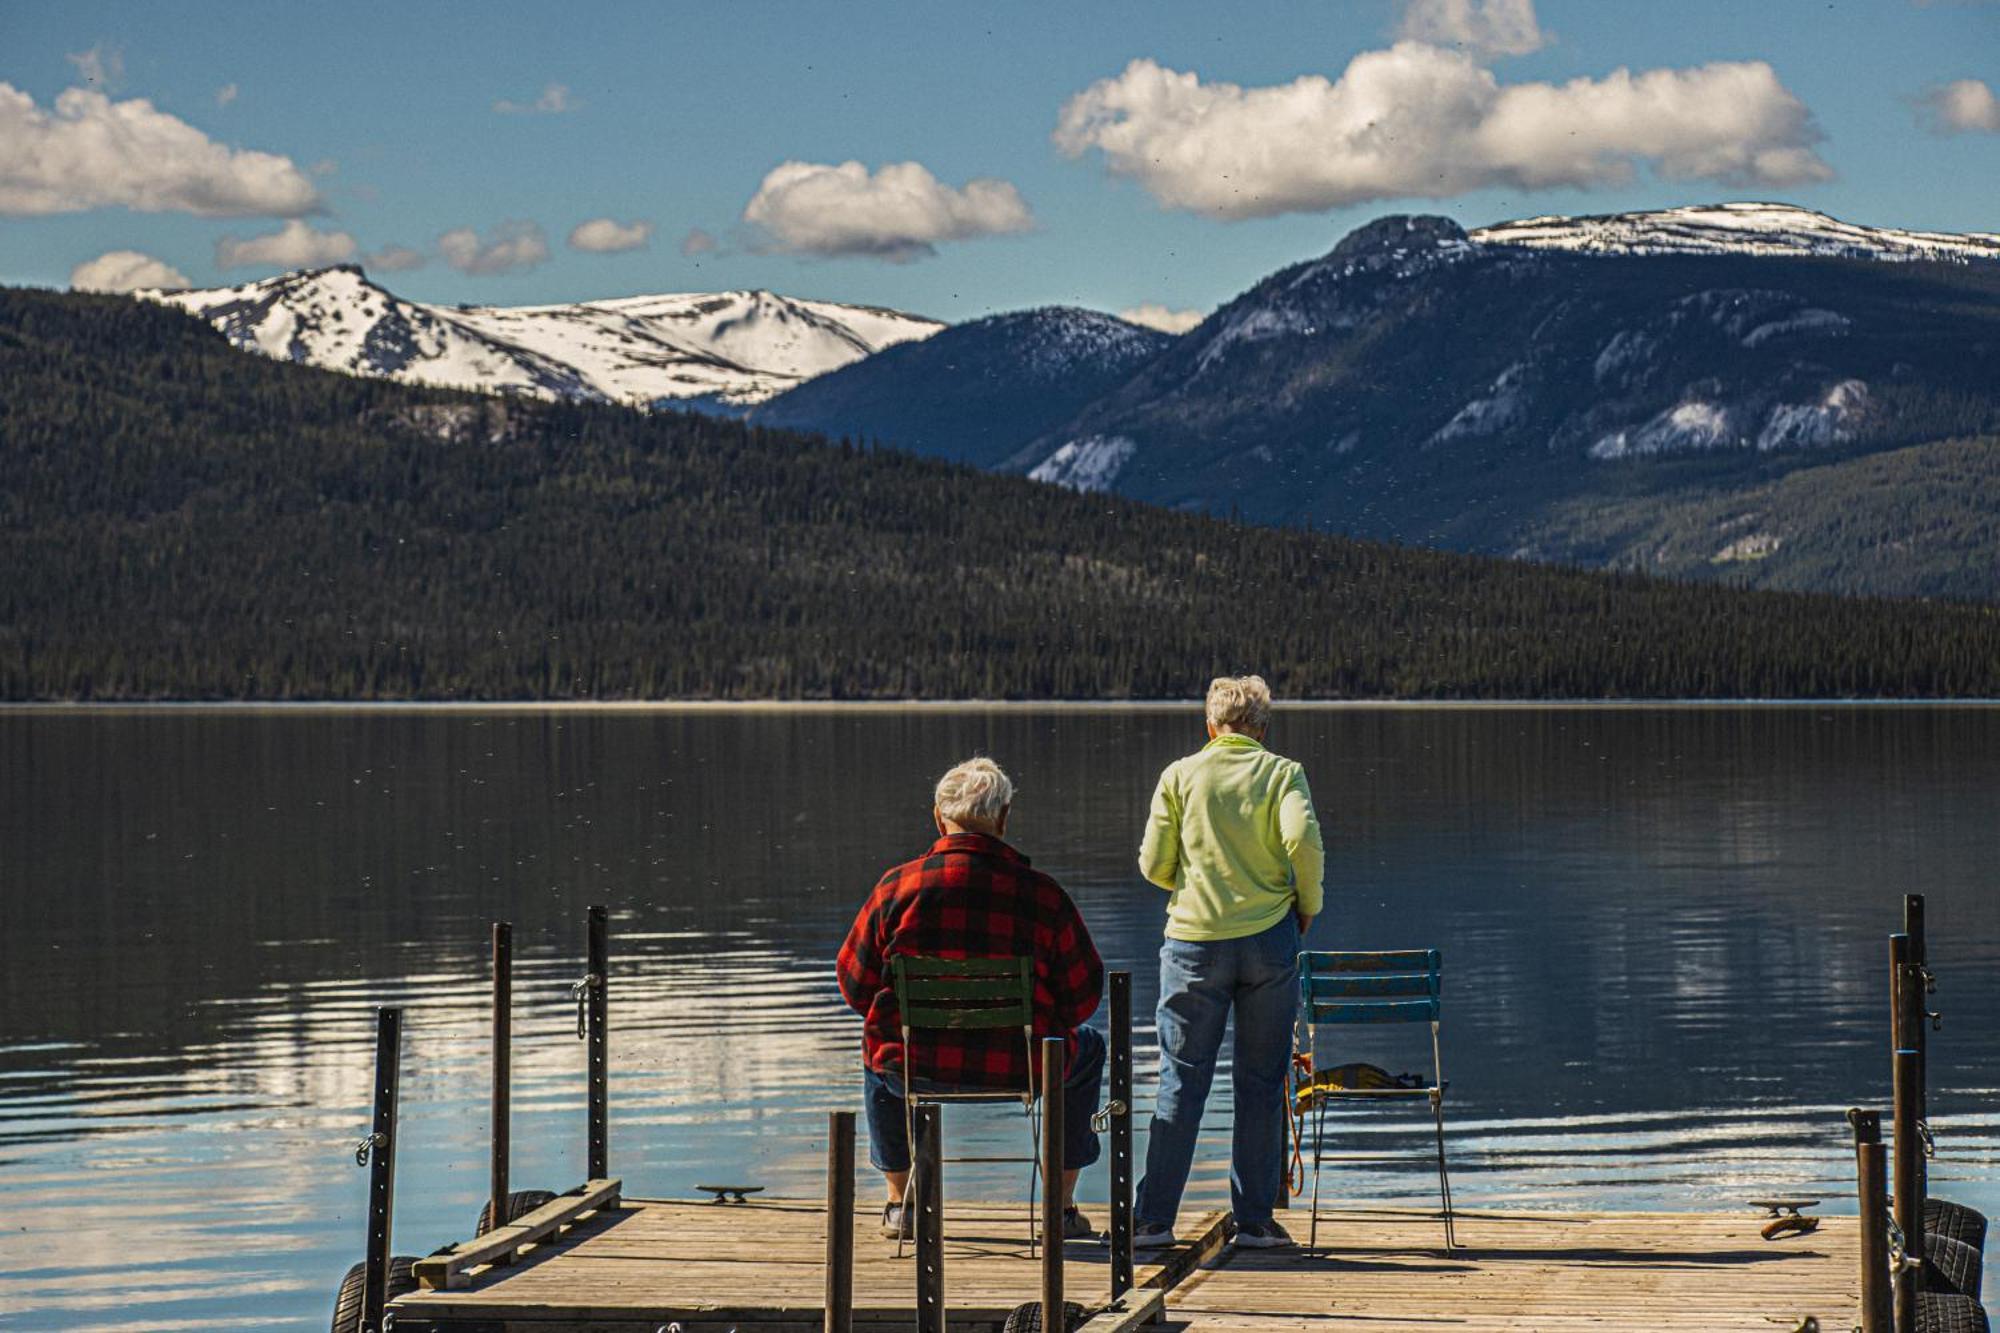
<point>389,124</point>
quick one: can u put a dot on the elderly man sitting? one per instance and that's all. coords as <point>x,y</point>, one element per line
<point>973,896</point>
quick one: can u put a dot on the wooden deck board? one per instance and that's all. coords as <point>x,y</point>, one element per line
<point>758,1266</point>
<point>1516,1271</point>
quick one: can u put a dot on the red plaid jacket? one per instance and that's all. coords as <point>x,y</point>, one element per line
<point>970,896</point>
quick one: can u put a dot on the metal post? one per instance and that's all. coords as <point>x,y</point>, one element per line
<point>927,1185</point>
<point>382,1167</point>
<point>598,984</point>
<point>503,1067</point>
<point>1918,1027</point>
<point>1871,1190</point>
<point>1121,1134</point>
<point>1909,1192</point>
<point>1052,1184</point>
<point>839,1222</point>
<point>1899,956</point>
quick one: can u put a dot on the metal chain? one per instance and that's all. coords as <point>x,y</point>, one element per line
<point>1924,1134</point>
<point>580,992</point>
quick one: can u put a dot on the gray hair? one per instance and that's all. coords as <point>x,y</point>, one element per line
<point>1241,702</point>
<point>974,792</point>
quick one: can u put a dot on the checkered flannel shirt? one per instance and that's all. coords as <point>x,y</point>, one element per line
<point>970,896</point>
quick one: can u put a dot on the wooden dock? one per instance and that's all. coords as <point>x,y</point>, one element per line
<point>758,1267</point>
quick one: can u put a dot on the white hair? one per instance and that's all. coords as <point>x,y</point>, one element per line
<point>974,792</point>
<point>1241,702</point>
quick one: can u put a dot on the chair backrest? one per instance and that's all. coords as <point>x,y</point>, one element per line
<point>1394,986</point>
<point>964,992</point>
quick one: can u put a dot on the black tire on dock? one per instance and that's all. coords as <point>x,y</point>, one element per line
<point>1954,1221</point>
<point>1952,1266</point>
<point>1027,1317</point>
<point>519,1204</point>
<point>1948,1312</point>
<point>347,1305</point>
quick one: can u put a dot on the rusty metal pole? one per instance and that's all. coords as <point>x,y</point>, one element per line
<point>1872,1192</point>
<point>382,1168</point>
<point>839,1222</point>
<point>927,1186</point>
<point>1121,1134</point>
<point>1052,1184</point>
<point>1909,1196</point>
<point>503,1068</point>
<point>598,1130</point>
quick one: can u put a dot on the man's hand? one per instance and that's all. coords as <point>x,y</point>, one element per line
<point>1305,923</point>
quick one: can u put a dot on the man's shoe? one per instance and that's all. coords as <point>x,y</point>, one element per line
<point>1076,1226</point>
<point>1263,1236</point>
<point>1153,1236</point>
<point>897,1224</point>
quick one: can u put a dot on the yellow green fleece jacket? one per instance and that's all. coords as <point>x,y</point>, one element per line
<point>1233,838</point>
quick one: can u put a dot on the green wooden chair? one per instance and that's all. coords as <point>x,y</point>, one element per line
<point>934,994</point>
<point>1395,986</point>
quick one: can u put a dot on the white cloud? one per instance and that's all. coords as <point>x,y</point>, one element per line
<point>1962,106</point>
<point>603,236</point>
<point>554,101</point>
<point>90,152</point>
<point>1155,316</point>
<point>1418,121</point>
<point>295,245</point>
<point>1490,27</point>
<point>899,212</point>
<point>511,245</point>
<point>124,271</point>
<point>225,94</point>
<point>102,67</point>
<point>698,242</point>
<point>394,259</point>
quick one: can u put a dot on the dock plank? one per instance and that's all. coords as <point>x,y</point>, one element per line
<point>757,1267</point>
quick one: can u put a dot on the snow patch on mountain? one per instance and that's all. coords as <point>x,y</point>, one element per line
<point>1089,464</point>
<point>1809,320</point>
<point>1689,425</point>
<point>1503,407</point>
<point>1625,357</point>
<point>1831,420</point>
<point>734,347</point>
<point>1737,228</point>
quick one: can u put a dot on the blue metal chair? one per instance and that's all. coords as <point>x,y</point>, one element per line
<point>1397,986</point>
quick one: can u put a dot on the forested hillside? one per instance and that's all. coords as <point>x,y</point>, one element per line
<point>182,520</point>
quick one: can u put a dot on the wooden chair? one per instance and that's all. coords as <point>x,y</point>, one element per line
<point>1397,986</point>
<point>936,994</point>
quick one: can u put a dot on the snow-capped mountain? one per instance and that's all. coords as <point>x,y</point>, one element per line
<point>732,348</point>
<point>977,391</point>
<point>1737,229</point>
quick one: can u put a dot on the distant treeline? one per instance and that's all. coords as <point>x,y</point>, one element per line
<point>182,520</point>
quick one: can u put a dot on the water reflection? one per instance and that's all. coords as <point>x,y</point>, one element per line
<point>1662,929</point>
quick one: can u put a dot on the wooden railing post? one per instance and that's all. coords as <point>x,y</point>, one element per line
<point>839,1222</point>
<point>598,984</point>
<point>381,1145</point>
<point>1053,1049</point>
<point>503,1068</point>
<point>1871,1191</point>
<point>1121,1134</point>
<point>927,1188</point>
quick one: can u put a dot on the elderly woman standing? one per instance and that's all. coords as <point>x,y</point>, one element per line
<point>1233,839</point>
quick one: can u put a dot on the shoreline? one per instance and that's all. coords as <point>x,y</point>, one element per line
<point>531,706</point>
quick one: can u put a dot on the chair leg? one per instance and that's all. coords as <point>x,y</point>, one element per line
<point>910,1182</point>
<point>1444,1176</point>
<point>1319,1143</point>
<point>1034,1175</point>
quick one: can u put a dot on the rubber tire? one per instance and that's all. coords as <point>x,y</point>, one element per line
<point>1944,1312</point>
<point>347,1303</point>
<point>1952,1267</point>
<point>519,1204</point>
<point>1954,1221</point>
<point>1027,1317</point>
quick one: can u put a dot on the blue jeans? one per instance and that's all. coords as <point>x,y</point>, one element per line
<point>1200,980</point>
<point>889,1140</point>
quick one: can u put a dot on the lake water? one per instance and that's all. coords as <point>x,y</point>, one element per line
<point>1664,933</point>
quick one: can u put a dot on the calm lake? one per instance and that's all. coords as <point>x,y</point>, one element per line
<point>1663,930</point>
